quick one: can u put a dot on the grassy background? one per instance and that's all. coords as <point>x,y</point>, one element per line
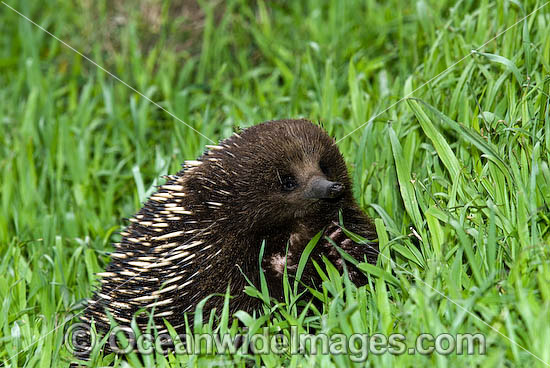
<point>465,165</point>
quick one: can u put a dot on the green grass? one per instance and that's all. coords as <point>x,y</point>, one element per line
<point>464,163</point>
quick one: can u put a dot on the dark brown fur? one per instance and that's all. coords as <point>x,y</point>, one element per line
<point>231,200</point>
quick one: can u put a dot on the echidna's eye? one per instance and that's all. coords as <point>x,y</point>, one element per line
<point>288,183</point>
<point>324,168</point>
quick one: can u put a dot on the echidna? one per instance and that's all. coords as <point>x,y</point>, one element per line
<point>280,182</point>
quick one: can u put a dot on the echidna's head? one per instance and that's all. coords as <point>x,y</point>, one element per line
<point>273,174</point>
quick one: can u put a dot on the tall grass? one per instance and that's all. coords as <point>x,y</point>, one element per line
<point>456,177</point>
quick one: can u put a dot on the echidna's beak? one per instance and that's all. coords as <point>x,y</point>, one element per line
<point>321,188</point>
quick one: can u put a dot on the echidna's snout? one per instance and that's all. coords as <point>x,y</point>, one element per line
<point>321,188</point>
<point>335,190</point>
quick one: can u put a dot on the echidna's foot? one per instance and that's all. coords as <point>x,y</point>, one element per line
<point>277,263</point>
<point>335,233</point>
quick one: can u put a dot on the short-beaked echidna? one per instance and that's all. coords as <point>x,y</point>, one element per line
<point>279,182</point>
